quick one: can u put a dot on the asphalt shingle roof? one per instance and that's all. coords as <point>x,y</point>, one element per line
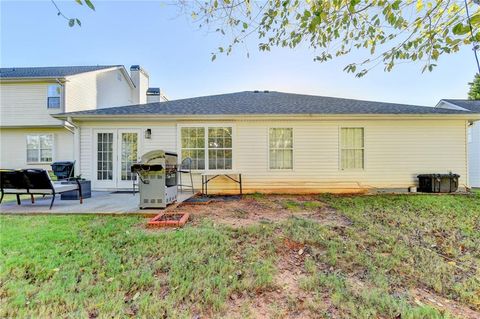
<point>472,105</point>
<point>271,103</point>
<point>50,71</point>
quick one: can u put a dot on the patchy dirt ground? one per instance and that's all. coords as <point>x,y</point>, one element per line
<point>286,298</point>
<point>248,210</point>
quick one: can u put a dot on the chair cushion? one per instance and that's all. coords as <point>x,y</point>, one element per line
<point>15,191</point>
<point>61,188</point>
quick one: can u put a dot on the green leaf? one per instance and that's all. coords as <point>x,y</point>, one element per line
<point>214,56</point>
<point>396,5</point>
<point>79,2</point>
<point>245,25</point>
<point>475,20</point>
<point>78,22</point>
<point>90,4</point>
<point>353,3</point>
<point>460,29</point>
<point>71,22</point>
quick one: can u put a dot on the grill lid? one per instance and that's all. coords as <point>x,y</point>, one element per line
<point>152,157</point>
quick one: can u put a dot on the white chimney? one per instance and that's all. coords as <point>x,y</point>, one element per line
<point>153,95</point>
<point>141,80</point>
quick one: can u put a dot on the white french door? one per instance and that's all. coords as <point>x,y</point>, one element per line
<point>128,154</point>
<point>115,151</point>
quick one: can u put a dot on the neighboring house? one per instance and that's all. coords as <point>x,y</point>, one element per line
<point>280,142</point>
<point>30,136</point>
<point>473,136</point>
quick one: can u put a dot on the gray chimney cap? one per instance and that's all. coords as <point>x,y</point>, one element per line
<point>153,91</point>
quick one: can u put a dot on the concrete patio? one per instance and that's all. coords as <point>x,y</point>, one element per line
<point>99,203</point>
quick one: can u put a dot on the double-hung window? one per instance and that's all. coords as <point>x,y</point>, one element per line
<point>219,148</point>
<point>352,148</point>
<point>54,96</point>
<point>193,145</point>
<point>39,148</point>
<point>208,147</point>
<point>281,148</point>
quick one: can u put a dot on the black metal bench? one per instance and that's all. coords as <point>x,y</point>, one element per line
<point>33,182</point>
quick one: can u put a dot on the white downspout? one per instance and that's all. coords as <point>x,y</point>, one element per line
<point>76,145</point>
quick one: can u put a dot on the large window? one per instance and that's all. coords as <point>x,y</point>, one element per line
<point>281,148</point>
<point>193,145</point>
<point>220,148</point>
<point>39,148</point>
<point>352,147</point>
<point>54,95</point>
<point>207,145</point>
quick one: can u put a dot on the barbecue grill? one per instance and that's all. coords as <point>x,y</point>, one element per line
<point>157,175</point>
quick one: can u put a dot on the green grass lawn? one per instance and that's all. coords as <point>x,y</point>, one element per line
<point>368,264</point>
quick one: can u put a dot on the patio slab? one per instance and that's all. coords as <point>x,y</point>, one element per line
<point>99,203</point>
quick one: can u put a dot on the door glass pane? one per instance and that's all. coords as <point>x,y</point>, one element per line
<point>129,155</point>
<point>104,156</point>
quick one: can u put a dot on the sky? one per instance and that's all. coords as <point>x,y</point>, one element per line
<point>177,55</point>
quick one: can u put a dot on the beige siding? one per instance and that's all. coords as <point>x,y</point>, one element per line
<point>99,89</point>
<point>114,89</point>
<point>395,152</point>
<point>13,147</point>
<point>81,92</point>
<point>24,104</point>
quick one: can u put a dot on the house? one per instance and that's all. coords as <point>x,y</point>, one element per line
<point>30,136</point>
<point>473,137</point>
<point>280,142</point>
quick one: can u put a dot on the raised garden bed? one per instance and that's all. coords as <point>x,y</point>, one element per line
<point>168,220</point>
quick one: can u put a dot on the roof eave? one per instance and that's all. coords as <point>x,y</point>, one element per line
<point>33,78</point>
<point>103,117</point>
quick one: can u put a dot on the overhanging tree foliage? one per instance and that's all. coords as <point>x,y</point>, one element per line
<point>387,32</point>
<point>474,92</point>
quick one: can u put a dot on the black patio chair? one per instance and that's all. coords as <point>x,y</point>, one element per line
<point>13,182</point>
<point>39,183</point>
<point>63,170</point>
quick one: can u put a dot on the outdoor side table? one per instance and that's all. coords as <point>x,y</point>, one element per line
<point>208,176</point>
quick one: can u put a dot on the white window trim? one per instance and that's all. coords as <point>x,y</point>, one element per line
<point>293,150</point>
<point>206,126</point>
<point>39,162</point>
<point>340,150</point>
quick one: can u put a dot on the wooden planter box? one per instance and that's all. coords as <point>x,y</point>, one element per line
<point>168,220</point>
